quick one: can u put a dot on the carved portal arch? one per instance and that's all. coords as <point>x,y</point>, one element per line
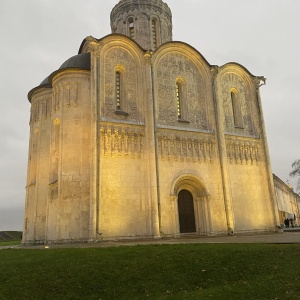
<point>196,186</point>
<point>189,181</point>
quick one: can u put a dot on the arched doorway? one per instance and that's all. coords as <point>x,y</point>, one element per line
<point>186,212</point>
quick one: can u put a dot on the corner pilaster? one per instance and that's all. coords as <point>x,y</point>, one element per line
<point>258,82</point>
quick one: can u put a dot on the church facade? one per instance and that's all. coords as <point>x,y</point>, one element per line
<point>138,136</point>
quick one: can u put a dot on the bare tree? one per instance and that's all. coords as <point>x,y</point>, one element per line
<point>296,172</point>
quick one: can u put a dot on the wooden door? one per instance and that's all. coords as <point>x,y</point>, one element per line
<point>186,212</point>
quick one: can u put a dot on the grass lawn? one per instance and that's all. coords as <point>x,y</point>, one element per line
<point>189,271</point>
<point>10,243</point>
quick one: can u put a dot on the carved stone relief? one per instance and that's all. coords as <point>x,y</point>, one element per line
<point>142,13</point>
<point>243,152</point>
<point>166,31</point>
<point>142,31</point>
<point>67,93</point>
<point>184,147</point>
<point>171,67</point>
<point>122,141</point>
<point>232,81</point>
<point>114,58</point>
<point>120,28</point>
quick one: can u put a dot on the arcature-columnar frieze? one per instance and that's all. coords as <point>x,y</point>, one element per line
<point>40,108</point>
<point>185,147</point>
<point>67,93</point>
<point>243,151</point>
<point>122,141</point>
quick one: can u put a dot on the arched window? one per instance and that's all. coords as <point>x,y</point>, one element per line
<point>154,33</point>
<point>118,90</point>
<point>121,104</point>
<point>131,28</point>
<point>179,98</point>
<point>236,108</point>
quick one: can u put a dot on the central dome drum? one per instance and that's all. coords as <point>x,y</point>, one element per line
<point>149,23</point>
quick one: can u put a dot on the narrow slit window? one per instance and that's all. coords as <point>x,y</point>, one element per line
<point>178,99</point>
<point>118,90</point>
<point>131,28</point>
<point>236,108</point>
<point>154,34</point>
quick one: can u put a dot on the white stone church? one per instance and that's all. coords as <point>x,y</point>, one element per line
<point>138,136</point>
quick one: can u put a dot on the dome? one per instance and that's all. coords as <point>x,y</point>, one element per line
<point>45,81</point>
<point>79,61</point>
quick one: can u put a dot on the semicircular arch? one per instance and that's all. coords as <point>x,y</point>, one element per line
<point>190,182</point>
<point>124,43</point>
<point>186,50</point>
<point>238,70</point>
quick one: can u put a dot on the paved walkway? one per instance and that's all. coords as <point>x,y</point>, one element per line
<point>290,237</point>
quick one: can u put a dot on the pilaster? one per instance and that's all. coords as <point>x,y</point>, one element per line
<point>219,115</point>
<point>153,147</point>
<point>258,82</point>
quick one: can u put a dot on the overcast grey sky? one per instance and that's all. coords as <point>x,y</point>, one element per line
<point>37,36</point>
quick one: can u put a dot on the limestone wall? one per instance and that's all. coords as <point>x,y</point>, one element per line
<point>127,184</point>
<point>179,63</point>
<point>250,198</point>
<point>125,200</point>
<point>199,175</point>
<point>246,166</point>
<point>57,199</point>
<point>112,148</point>
<point>38,167</point>
<point>187,147</point>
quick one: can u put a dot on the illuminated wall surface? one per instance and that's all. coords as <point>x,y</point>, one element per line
<point>138,136</point>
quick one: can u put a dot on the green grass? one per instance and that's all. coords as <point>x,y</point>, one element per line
<point>10,243</point>
<point>190,271</point>
<point>15,239</point>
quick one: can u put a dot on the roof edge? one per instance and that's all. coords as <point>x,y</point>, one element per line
<point>107,36</point>
<point>51,76</point>
<point>47,82</point>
